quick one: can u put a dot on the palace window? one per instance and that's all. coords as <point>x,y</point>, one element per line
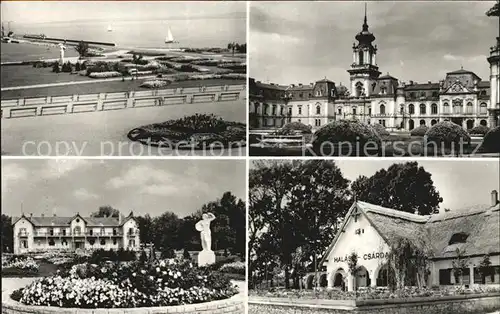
<point>24,244</point>
<point>103,242</point>
<point>51,232</point>
<point>411,109</point>
<point>382,122</point>
<point>317,122</point>
<point>361,56</point>
<point>339,110</point>
<point>446,108</point>
<point>290,111</point>
<point>274,110</point>
<point>114,241</point>
<point>359,89</point>
<point>370,111</point>
<point>301,95</point>
<point>434,109</point>
<point>64,232</point>
<point>300,109</point>
<point>483,122</point>
<point>483,108</point>
<point>318,109</point>
<point>382,109</point>
<point>353,111</point>
<point>64,242</point>
<point>51,242</point>
<point>422,122</point>
<point>422,109</point>
<point>470,108</point>
<point>460,237</point>
<point>457,106</point>
<point>77,230</point>
<point>131,243</point>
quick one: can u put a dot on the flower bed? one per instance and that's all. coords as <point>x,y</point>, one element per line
<point>128,285</point>
<point>155,84</point>
<point>195,131</point>
<point>234,267</point>
<point>379,293</point>
<point>20,266</point>
<point>105,74</point>
<point>294,128</point>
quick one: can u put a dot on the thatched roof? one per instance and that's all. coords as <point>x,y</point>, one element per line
<point>477,228</point>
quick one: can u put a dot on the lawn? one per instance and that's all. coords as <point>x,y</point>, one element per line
<point>29,52</point>
<point>22,75</point>
<point>107,87</point>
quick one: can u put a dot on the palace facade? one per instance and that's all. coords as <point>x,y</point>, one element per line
<point>369,230</point>
<point>461,97</point>
<point>32,234</point>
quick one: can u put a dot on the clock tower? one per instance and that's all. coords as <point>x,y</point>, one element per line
<point>364,70</point>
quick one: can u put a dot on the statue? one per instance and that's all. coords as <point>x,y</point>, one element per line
<point>206,256</point>
<point>62,48</point>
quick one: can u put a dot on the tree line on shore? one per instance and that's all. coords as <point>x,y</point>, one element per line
<point>168,232</point>
<point>296,208</point>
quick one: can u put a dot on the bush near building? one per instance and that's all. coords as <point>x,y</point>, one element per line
<point>381,130</point>
<point>419,131</point>
<point>479,130</point>
<point>294,128</point>
<point>447,132</point>
<point>343,131</point>
<point>491,141</point>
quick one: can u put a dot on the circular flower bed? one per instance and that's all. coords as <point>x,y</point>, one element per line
<point>381,130</point>
<point>491,141</point>
<point>419,131</point>
<point>21,263</point>
<point>155,84</point>
<point>294,128</point>
<point>344,131</point>
<point>480,130</point>
<point>192,132</point>
<point>447,132</point>
<point>128,285</point>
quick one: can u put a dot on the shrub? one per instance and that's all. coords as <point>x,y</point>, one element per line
<point>347,131</point>
<point>235,268</point>
<point>491,141</point>
<point>104,74</point>
<point>446,132</point>
<point>17,294</point>
<point>55,67</point>
<point>380,129</point>
<point>419,131</point>
<point>294,128</point>
<point>480,129</point>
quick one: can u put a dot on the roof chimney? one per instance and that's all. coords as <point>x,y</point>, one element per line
<point>494,197</point>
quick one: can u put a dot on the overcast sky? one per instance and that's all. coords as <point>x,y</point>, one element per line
<point>25,12</point>
<point>302,42</point>
<point>145,186</point>
<point>461,183</point>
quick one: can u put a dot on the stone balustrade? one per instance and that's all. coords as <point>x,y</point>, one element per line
<point>54,105</point>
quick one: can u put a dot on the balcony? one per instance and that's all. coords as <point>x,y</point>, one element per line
<point>77,234</point>
<point>23,234</point>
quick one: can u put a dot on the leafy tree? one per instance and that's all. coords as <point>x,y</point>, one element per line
<point>485,268</point>
<point>405,187</point>
<point>82,48</point>
<point>105,211</point>
<point>7,234</point>
<point>460,264</point>
<point>165,233</point>
<point>352,263</point>
<point>145,228</point>
<point>77,66</point>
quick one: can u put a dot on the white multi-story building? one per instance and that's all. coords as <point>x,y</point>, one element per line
<point>44,233</point>
<point>461,97</point>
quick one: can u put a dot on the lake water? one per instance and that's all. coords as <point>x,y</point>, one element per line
<point>195,33</point>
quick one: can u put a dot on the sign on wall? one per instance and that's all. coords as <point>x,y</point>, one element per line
<point>366,257</point>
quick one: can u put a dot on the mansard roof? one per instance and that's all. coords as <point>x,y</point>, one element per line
<point>48,221</point>
<point>433,233</point>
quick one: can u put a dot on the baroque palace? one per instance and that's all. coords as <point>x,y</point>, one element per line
<point>461,97</point>
<point>32,234</point>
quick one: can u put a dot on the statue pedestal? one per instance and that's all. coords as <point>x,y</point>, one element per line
<point>206,257</point>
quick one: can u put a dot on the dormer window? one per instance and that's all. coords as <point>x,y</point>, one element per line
<point>460,237</point>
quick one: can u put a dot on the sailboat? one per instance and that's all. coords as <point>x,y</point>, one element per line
<point>170,38</point>
<point>109,28</point>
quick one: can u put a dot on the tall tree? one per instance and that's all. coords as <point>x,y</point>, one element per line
<point>82,48</point>
<point>405,187</point>
<point>166,231</point>
<point>106,211</point>
<point>146,233</point>
<point>7,234</point>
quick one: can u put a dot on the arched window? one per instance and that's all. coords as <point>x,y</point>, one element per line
<point>318,109</point>
<point>434,109</point>
<point>411,124</point>
<point>411,109</point>
<point>353,111</point>
<point>483,109</point>
<point>433,121</point>
<point>361,57</point>
<point>470,124</point>
<point>446,108</point>
<point>422,109</point>
<point>77,230</point>
<point>51,242</point>
<point>339,110</point>
<point>470,108</point>
<point>483,122</point>
<point>382,109</point>
<point>422,122</point>
<point>103,242</point>
<point>359,89</point>
<point>457,106</point>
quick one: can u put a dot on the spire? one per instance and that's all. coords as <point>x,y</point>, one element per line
<point>365,24</point>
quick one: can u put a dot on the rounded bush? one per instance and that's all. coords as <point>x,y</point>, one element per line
<point>381,130</point>
<point>294,128</point>
<point>491,141</point>
<point>419,131</point>
<point>347,131</point>
<point>447,132</point>
<point>480,129</point>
